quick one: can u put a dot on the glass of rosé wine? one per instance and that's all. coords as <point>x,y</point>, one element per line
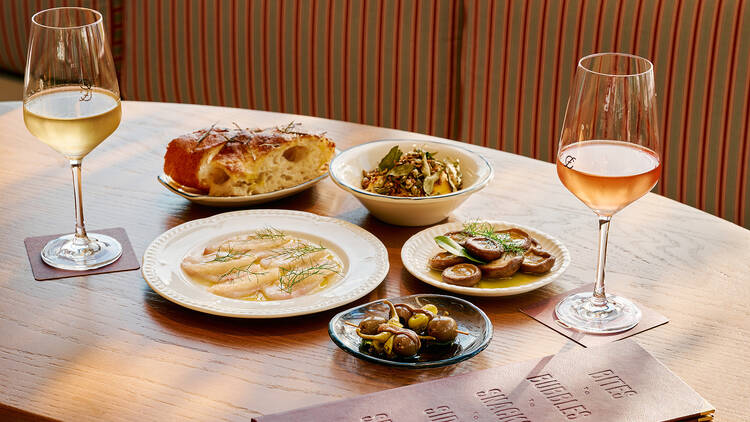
<point>608,157</point>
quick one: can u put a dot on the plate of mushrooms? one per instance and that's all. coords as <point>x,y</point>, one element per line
<point>417,331</point>
<point>485,258</point>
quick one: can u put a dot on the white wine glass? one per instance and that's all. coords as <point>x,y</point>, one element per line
<point>72,103</point>
<point>608,157</point>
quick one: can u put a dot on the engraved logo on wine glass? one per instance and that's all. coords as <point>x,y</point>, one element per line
<point>86,92</point>
<point>569,160</point>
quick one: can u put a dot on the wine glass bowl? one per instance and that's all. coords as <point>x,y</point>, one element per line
<point>72,104</point>
<point>608,157</point>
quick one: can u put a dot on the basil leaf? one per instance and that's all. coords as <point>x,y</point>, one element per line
<point>450,246</point>
<point>390,159</point>
<point>401,170</point>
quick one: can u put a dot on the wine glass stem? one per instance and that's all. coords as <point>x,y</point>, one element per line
<point>75,167</point>
<point>599,298</point>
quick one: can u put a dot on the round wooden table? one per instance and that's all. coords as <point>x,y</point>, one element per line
<point>106,347</point>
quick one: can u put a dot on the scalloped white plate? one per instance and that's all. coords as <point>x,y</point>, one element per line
<point>364,257</point>
<point>418,250</point>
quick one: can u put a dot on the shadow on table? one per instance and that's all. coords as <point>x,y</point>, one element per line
<point>187,322</point>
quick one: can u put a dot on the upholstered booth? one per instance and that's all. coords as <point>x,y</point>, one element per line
<point>494,73</point>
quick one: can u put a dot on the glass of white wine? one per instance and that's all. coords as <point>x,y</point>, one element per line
<point>72,103</point>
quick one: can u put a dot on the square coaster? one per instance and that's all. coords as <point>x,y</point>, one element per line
<point>42,271</point>
<point>544,312</point>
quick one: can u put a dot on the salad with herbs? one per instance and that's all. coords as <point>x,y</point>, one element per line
<point>413,174</point>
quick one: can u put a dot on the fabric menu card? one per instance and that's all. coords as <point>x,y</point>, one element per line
<point>616,382</point>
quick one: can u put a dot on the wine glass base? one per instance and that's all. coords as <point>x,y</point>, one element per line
<point>579,313</point>
<point>79,254</point>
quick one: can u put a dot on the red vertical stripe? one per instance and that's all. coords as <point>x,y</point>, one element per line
<point>6,42</point>
<point>433,54</point>
<point>522,79</point>
<point>744,160</point>
<point>345,63</point>
<point>264,53</point>
<point>202,25</point>
<point>473,74</point>
<point>363,70</point>
<point>250,55</point>
<point>728,107</point>
<point>556,88</point>
<point>233,35</point>
<point>121,70</point>
<point>581,28</point>
<point>488,71</point>
<point>379,94</point>
<point>504,81</point>
<point>188,51</point>
<point>329,62</point>
<point>173,49</point>
<point>295,63</point>
<point>415,68</point>
<point>597,34</point>
<point>21,34</point>
<point>279,53</point>
<point>686,121</point>
<point>618,27</point>
<point>146,52</point>
<point>538,92</point>
<point>134,92</point>
<point>657,26</point>
<point>313,56</point>
<point>708,110</point>
<point>452,107</point>
<point>637,31</point>
<point>650,55</point>
<point>219,54</point>
<point>160,52</point>
<point>15,58</point>
<point>396,62</point>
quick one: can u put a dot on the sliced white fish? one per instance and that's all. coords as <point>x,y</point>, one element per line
<point>246,284</point>
<point>274,291</point>
<point>206,269</point>
<point>290,261</point>
<point>244,245</point>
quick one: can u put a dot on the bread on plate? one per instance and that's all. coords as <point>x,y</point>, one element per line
<point>240,162</point>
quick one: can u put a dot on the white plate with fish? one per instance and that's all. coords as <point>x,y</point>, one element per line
<point>418,250</point>
<point>264,264</point>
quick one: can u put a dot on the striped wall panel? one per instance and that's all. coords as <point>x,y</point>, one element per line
<point>494,73</point>
<point>15,20</point>
<point>519,58</point>
<point>391,63</point>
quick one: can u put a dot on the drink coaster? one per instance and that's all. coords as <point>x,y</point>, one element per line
<point>42,271</point>
<point>544,312</point>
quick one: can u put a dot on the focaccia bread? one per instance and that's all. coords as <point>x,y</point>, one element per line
<point>238,162</point>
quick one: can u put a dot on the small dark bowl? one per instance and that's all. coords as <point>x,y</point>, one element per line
<point>468,317</point>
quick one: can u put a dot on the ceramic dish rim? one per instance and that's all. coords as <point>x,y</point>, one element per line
<point>161,288</point>
<point>478,185</point>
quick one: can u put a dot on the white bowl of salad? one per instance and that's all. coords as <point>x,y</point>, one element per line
<point>389,177</point>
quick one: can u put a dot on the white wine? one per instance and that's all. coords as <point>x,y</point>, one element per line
<point>71,120</point>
